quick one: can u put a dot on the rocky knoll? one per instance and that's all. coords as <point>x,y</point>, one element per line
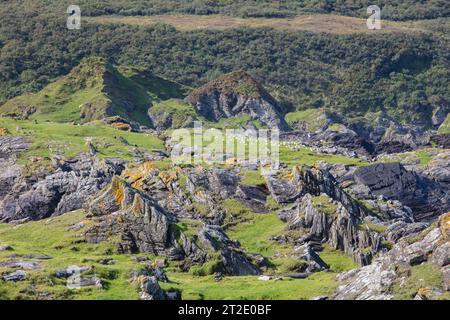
<point>237,94</point>
<point>44,187</point>
<point>139,211</point>
<point>392,269</point>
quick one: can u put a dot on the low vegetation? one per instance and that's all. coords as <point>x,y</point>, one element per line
<point>49,138</point>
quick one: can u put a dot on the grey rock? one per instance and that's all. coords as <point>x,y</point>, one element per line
<point>150,289</point>
<point>63,189</point>
<point>18,275</point>
<point>22,264</point>
<point>84,282</point>
<point>214,101</point>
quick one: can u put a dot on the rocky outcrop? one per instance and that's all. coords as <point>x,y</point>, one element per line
<point>329,221</point>
<point>233,259</point>
<point>47,187</point>
<point>237,94</point>
<point>376,281</point>
<point>140,222</point>
<point>392,181</point>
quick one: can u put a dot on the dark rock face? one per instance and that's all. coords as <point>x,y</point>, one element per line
<point>61,188</point>
<point>237,94</point>
<point>254,197</point>
<point>392,181</point>
<point>346,142</point>
<point>442,140</point>
<point>388,179</point>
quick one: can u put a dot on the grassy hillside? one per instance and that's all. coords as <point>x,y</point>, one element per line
<point>50,138</point>
<point>94,90</point>
<point>400,74</point>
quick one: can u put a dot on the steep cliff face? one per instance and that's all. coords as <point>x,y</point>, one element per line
<point>237,94</point>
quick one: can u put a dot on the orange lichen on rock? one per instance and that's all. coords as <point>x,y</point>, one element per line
<point>423,292</point>
<point>138,205</point>
<point>444,225</point>
<point>136,175</point>
<point>3,132</point>
<point>122,126</point>
<point>119,193</point>
<point>168,176</point>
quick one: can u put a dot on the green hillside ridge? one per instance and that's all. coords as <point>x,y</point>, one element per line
<point>94,90</point>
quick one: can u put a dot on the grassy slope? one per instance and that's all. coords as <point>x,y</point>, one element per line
<point>312,119</point>
<point>49,237</point>
<point>51,138</point>
<point>97,89</point>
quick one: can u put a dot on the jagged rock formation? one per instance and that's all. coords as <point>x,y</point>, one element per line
<point>327,214</point>
<point>237,94</point>
<point>45,187</point>
<point>144,213</point>
<point>140,222</point>
<point>376,281</point>
<point>393,182</point>
<point>233,259</point>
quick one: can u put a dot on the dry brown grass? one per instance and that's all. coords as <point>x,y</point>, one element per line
<point>314,23</point>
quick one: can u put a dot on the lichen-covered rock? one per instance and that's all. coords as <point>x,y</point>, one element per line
<point>141,223</point>
<point>52,189</point>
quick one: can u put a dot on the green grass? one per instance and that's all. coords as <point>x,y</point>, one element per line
<point>312,119</point>
<point>49,138</point>
<point>421,276</point>
<point>424,157</point>
<point>305,156</point>
<point>49,237</point>
<point>250,288</point>
<point>337,260</point>
<point>173,114</point>
<point>378,228</point>
<point>235,123</point>
<point>323,204</point>
<point>250,177</point>
<point>445,126</point>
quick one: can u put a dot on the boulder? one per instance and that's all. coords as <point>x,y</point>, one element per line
<point>18,275</point>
